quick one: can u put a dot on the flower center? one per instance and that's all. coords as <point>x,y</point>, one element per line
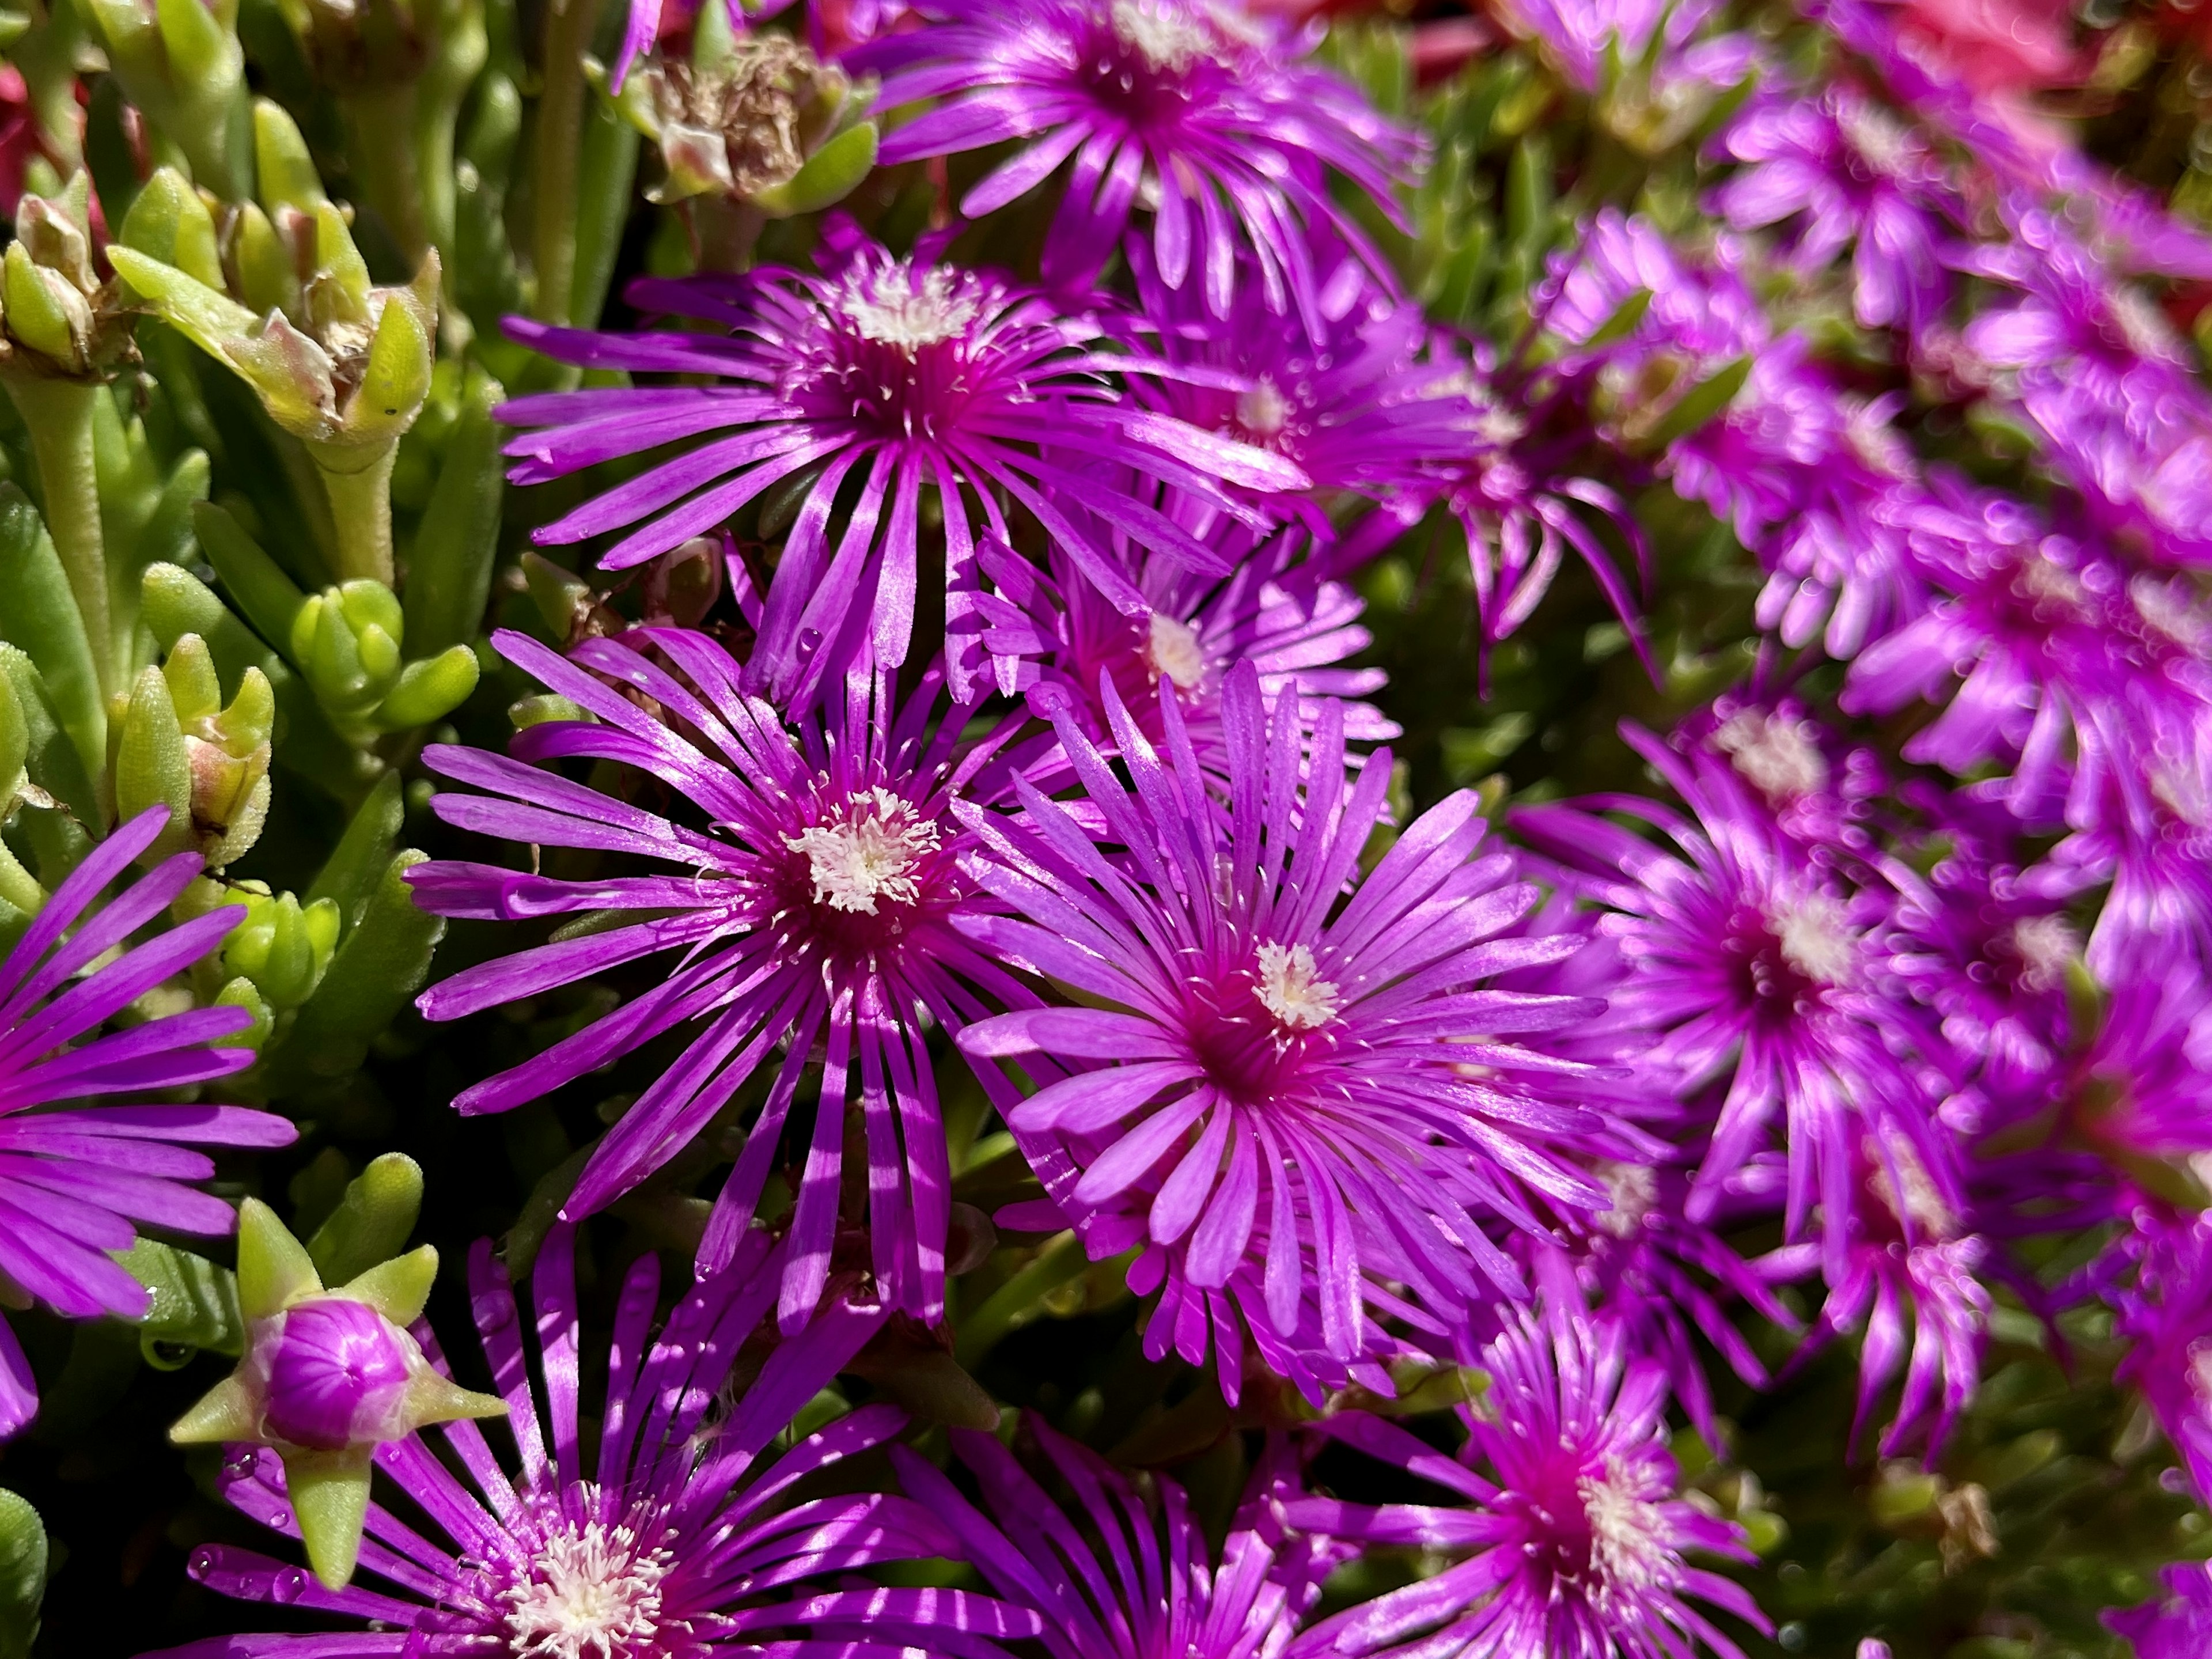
<point>1876,138</point>
<point>1776,755</point>
<point>2045,946</point>
<point>885,304</point>
<point>1814,938</point>
<point>1262,411</point>
<point>1906,1190</point>
<point>867,854</point>
<point>1629,1536</point>
<point>1292,989</point>
<point>593,1593</point>
<point>2181,792</point>
<point>1633,1192</point>
<point>2167,612</point>
<point>1167,37</point>
<point>1175,653</point>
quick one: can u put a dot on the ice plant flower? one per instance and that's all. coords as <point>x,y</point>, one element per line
<point>664,1530</point>
<point>1361,397</point>
<point>1151,1591</point>
<point>2165,1326</point>
<point>327,1377</point>
<point>811,898</point>
<point>1909,1261</point>
<point>2176,1625</point>
<point>894,377</point>
<point>1753,965</point>
<point>1847,170</point>
<point>1277,608</point>
<point>1257,1009</point>
<point>76,1177</point>
<point>1570,1547</point>
<point>1205,113</point>
<point>2016,642</point>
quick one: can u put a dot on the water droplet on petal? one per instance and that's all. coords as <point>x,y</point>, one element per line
<point>288,1585</point>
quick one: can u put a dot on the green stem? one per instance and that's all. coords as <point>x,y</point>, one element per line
<point>59,414</point>
<point>384,159</point>
<point>1015,1303</point>
<point>360,489</point>
<point>560,141</point>
<point>18,886</point>
<point>463,50</point>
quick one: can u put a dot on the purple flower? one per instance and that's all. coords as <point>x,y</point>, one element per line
<point>338,1372</point>
<point>1666,1281</point>
<point>2022,623</point>
<point>1257,1009</point>
<point>1276,608</point>
<point>2178,1625</point>
<point>664,1530</point>
<point>1975,942</point>
<point>74,1178</point>
<point>1511,485</point>
<point>895,377</point>
<point>1200,111</point>
<point>1755,967</point>
<point>814,890</point>
<point>1363,398</point>
<point>2142,798</point>
<point>1113,1580</point>
<point>1908,1261</point>
<point>2165,1329</point>
<point>1570,1547</point>
<point>1850,172</point>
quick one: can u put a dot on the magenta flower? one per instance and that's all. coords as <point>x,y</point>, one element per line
<point>2142,798</point>
<point>814,887</point>
<point>76,1177</point>
<point>1362,397</point>
<point>2017,643</point>
<point>896,377</point>
<point>1258,1009</point>
<point>666,1529</point>
<point>1276,609</point>
<point>2177,1625</point>
<point>1844,171</point>
<point>1909,1265</point>
<point>1206,114</point>
<point>1755,968</point>
<point>1572,1545</point>
<point>2164,1328</point>
<point>1115,1580</point>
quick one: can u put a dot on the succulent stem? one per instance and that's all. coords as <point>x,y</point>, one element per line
<point>560,143</point>
<point>359,485</point>
<point>59,415</point>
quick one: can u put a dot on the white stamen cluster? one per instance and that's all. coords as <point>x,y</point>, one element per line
<point>593,1593</point>
<point>1631,1191</point>
<point>1164,35</point>
<point>2166,611</point>
<point>1775,755</point>
<point>1815,938</point>
<point>1261,409</point>
<point>867,853</point>
<point>2045,945</point>
<point>1877,137</point>
<point>1631,1541</point>
<point>1174,653</point>
<point>1292,989</point>
<point>885,304</point>
<point>1906,1189</point>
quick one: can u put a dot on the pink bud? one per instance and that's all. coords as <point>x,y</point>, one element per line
<point>338,1376</point>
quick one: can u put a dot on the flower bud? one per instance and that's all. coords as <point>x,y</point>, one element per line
<point>756,118</point>
<point>337,1374</point>
<point>57,318</point>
